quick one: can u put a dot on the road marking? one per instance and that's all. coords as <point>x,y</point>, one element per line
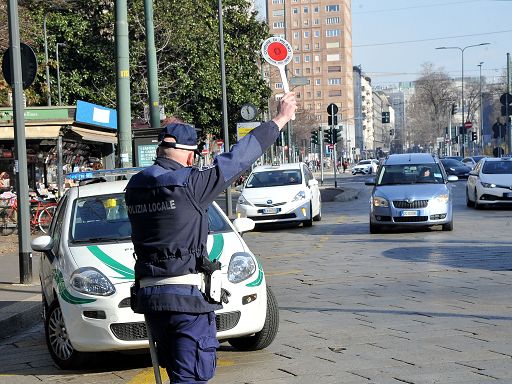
<point>290,272</point>
<point>147,376</point>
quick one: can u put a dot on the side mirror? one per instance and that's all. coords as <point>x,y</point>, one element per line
<point>243,224</point>
<point>370,181</point>
<point>312,182</point>
<point>42,243</point>
<point>239,188</point>
<point>452,178</point>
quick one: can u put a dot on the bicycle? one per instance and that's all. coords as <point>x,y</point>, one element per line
<point>41,214</point>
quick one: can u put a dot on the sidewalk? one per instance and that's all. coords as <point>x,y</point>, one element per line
<point>20,304</point>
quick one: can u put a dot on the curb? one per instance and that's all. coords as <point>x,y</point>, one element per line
<point>348,194</point>
<point>17,317</point>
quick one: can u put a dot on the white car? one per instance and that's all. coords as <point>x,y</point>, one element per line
<point>87,268</point>
<point>490,183</point>
<point>283,193</point>
<point>365,167</point>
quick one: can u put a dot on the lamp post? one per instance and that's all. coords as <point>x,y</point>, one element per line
<point>481,111</point>
<point>48,93</point>
<point>462,80</point>
<point>58,71</point>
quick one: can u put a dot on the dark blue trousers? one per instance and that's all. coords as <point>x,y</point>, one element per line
<point>186,345</point>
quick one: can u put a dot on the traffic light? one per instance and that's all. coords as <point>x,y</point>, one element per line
<point>328,136</point>
<point>473,136</point>
<point>462,130</point>
<point>455,140</point>
<point>391,132</point>
<point>339,135</point>
<point>385,117</point>
<point>314,137</point>
<point>332,120</point>
<point>454,109</point>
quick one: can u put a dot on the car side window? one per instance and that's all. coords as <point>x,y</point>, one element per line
<point>57,225</point>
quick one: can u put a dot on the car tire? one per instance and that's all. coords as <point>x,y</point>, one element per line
<point>476,205</point>
<point>469,203</point>
<point>319,216</point>
<point>266,336</point>
<point>448,226</point>
<point>57,340</point>
<point>375,228</point>
<point>309,222</point>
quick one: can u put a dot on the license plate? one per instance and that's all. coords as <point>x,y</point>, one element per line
<point>409,213</point>
<point>270,210</point>
<point>507,194</point>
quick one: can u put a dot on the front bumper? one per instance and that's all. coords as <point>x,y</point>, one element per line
<point>495,196</point>
<point>289,212</point>
<point>364,171</point>
<point>432,214</point>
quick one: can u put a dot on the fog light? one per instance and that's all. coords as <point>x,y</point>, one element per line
<point>249,298</point>
<point>124,303</point>
<point>303,212</point>
<point>95,314</point>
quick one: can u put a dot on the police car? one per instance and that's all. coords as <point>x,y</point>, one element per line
<point>87,268</point>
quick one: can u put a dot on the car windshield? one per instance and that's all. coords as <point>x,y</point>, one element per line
<point>410,174</point>
<point>497,167</point>
<point>105,218</point>
<point>274,178</point>
<point>451,163</point>
<point>362,162</point>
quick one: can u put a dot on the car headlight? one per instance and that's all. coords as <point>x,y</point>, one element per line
<point>243,201</point>
<point>92,282</point>
<point>380,202</point>
<point>443,199</point>
<point>299,196</point>
<point>241,267</point>
<point>488,185</point>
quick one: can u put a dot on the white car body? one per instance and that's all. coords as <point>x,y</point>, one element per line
<point>366,167</point>
<point>490,183</point>
<point>107,323</point>
<point>264,203</point>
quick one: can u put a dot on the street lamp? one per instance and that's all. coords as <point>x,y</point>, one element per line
<point>481,111</point>
<point>48,95</point>
<point>462,80</point>
<point>58,71</point>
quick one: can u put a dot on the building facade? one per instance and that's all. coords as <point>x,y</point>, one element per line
<point>320,32</point>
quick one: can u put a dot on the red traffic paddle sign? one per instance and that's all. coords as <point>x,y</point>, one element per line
<point>277,51</point>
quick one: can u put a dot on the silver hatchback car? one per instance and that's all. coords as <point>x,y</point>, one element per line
<point>411,190</point>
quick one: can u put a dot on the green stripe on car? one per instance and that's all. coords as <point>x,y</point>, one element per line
<point>217,247</point>
<point>124,271</point>
<point>65,294</point>
<point>258,279</point>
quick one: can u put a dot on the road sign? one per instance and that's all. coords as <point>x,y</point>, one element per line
<point>28,66</point>
<point>506,99</point>
<point>468,125</point>
<point>332,109</point>
<point>331,146</point>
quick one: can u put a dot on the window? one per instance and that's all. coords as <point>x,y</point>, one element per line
<point>318,93</point>
<point>306,47</point>
<point>317,81</point>
<point>307,58</point>
<point>295,10</point>
<point>332,32</point>
<point>278,24</point>
<point>296,59</point>
<point>332,20</point>
<point>279,86</point>
<point>308,71</point>
<point>306,33</point>
<point>297,71</point>
<point>334,44</point>
<point>295,35</point>
<point>308,94</point>
<point>309,106</point>
<point>306,10</point>
<point>332,8</point>
<point>335,81</point>
<point>316,33</point>
<point>277,1</point>
<point>306,22</point>
<point>316,22</point>
<point>317,45</point>
<point>317,69</point>
<point>334,68</point>
<point>335,57</point>
<point>317,58</point>
<point>297,95</point>
<point>316,9</point>
<point>278,12</point>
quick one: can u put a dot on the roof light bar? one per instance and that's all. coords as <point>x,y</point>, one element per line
<point>103,173</point>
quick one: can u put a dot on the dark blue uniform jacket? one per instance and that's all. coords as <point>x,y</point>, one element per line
<point>168,210</point>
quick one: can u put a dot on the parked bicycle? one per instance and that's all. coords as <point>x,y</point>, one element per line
<point>41,213</point>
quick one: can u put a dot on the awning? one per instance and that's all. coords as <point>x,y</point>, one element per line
<point>95,136</point>
<point>32,132</point>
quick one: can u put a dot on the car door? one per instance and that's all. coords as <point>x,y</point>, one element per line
<point>473,178</point>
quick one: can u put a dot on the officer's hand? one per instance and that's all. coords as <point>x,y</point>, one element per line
<point>287,108</point>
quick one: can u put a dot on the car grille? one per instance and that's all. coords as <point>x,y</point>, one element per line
<point>227,320</point>
<point>410,219</point>
<point>274,217</point>
<point>270,205</point>
<point>410,204</point>
<point>495,198</point>
<point>129,331</point>
<point>137,331</point>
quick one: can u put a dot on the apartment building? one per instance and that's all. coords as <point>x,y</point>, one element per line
<point>320,32</point>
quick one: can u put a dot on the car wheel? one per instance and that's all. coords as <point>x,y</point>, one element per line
<point>319,216</point>
<point>375,228</point>
<point>448,226</point>
<point>266,336</point>
<point>469,203</point>
<point>57,340</point>
<point>309,222</point>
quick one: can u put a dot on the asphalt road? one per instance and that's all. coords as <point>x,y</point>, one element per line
<point>411,307</point>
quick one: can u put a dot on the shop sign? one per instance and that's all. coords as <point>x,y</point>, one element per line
<point>242,129</point>
<point>97,115</point>
<point>146,154</point>
<point>52,114</point>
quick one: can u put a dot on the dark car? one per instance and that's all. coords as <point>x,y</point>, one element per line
<point>458,158</point>
<point>456,168</point>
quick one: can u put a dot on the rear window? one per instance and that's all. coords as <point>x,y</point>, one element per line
<point>497,167</point>
<point>105,218</point>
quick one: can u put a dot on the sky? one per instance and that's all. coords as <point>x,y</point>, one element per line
<point>392,39</point>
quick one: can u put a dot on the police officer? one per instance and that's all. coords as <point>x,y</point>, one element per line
<point>168,210</point>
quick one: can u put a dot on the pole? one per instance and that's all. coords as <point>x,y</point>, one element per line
<point>481,112</point>
<point>20,149</point>
<point>154,107</point>
<point>334,165</point>
<point>321,144</point>
<point>48,93</point>
<point>463,138</point>
<point>229,203</point>
<point>59,166</point>
<point>153,354</point>
<point>123,84</point>
<point>58,68</point>
<point>509,138</point>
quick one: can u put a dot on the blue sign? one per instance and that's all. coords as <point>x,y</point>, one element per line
<point>93,114</point>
